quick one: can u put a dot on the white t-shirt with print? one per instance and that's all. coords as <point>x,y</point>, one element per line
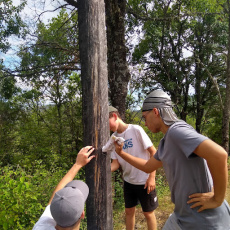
<point>136,143</point>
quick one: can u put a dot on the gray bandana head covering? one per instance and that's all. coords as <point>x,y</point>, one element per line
<point>162,101</point>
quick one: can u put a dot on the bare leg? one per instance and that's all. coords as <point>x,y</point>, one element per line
<point>151,220</point>
<point>130,218</point>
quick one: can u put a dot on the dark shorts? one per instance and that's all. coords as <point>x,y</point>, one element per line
<point>136,193</point>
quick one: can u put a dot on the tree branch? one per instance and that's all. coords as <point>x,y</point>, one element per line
<point>214,82</point>
<point>72,3</point>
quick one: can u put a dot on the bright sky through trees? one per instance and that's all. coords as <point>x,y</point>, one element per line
<point>32,13</point>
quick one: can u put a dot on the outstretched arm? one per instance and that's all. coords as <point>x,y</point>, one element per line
<point>83,158</point>
<point>216,158</point>
<point>147,166</point>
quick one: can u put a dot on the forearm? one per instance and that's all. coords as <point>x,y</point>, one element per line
<point>66,179</point>
<point>216,158</point>
<point>134,161</point>
<point>152,175</point>
<point>219,174</point>
<point>152,150</point>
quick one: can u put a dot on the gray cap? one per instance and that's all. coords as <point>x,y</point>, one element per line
<point>112,109</point>
<point>157,99</point>
<point>68,203</point>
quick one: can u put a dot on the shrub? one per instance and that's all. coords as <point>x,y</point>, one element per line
<point>24,196</point>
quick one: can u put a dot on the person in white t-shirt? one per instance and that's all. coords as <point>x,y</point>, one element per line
<point>66,206</point>
<point>139,187</point>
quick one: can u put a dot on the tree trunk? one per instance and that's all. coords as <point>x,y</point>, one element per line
<point>226,111</point>
<point>118,72</point>
<point>93,55</point>
<point>199,111</point>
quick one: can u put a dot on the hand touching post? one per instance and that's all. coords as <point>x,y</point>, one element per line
<point>82,159</point>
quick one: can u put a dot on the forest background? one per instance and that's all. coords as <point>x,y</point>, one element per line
<point>181,47</point>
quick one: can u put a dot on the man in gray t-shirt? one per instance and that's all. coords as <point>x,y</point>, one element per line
<point>195,167</point>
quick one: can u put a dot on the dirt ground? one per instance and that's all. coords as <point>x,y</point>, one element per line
<point>162,212</point>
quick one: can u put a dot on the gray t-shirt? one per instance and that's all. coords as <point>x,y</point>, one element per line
<point>187,174</point>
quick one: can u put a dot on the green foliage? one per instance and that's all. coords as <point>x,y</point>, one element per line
<point>50,126</point>
<point>211,125</point>
<point>174,40</point>
<point>9,113</point>
<point>117,187</point>
<point>161,183</point>
<point>23,196</point>
<point>10,22</point>
<point>55,52</point>
<point>39,139</point>
<point>8,88</point>
<point>41,126</point>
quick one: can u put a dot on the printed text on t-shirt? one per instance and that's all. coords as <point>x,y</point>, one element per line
<point>128,144</point>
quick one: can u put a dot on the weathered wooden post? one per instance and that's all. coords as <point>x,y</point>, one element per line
<point>93,55</point>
